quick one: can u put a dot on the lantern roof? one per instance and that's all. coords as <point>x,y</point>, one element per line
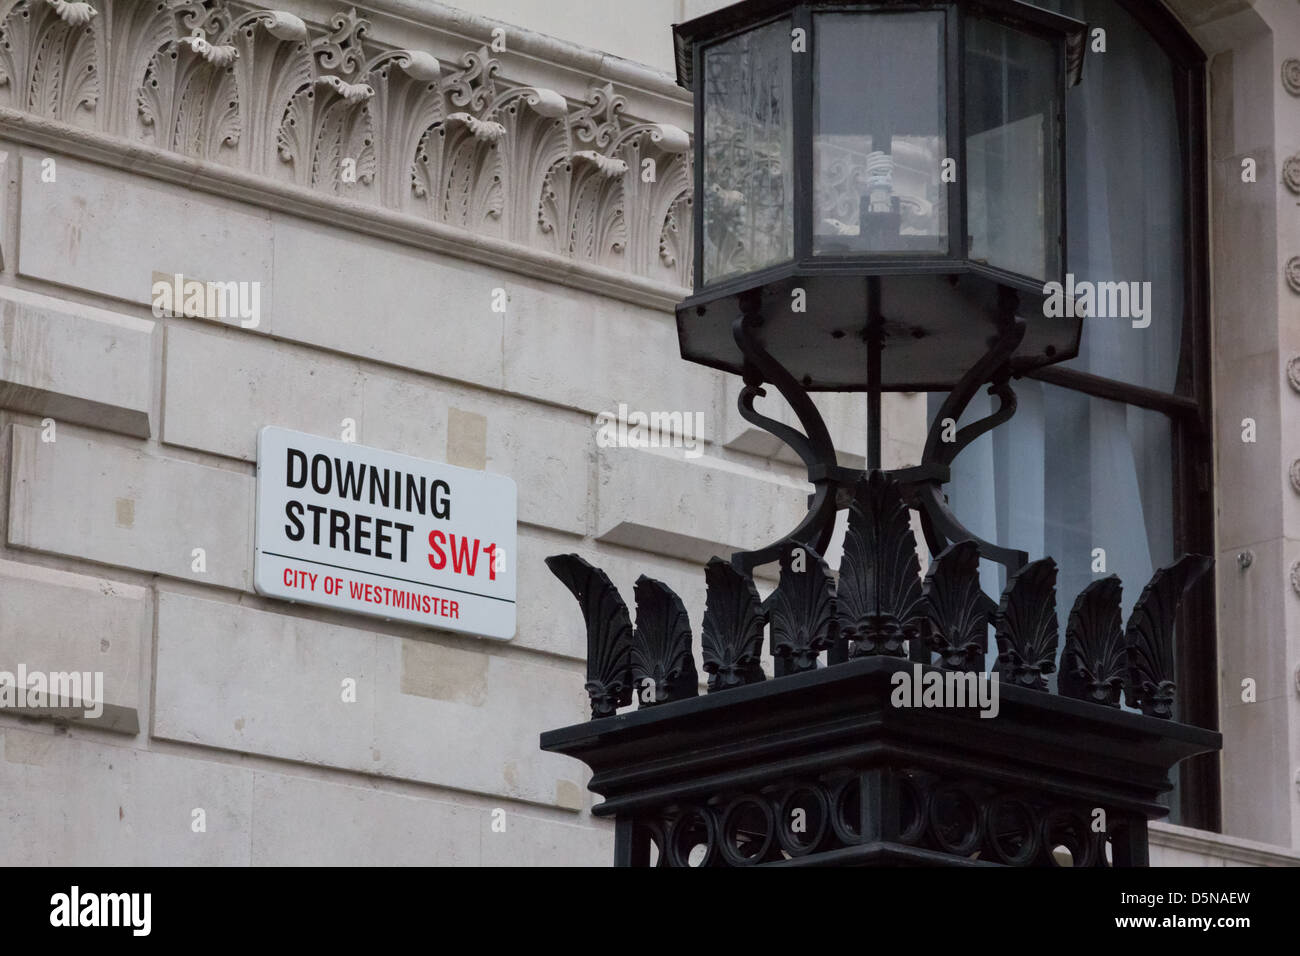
<point>738,16</point>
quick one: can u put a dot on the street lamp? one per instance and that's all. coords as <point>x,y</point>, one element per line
<point>880,174</point>
<point>880,193</point>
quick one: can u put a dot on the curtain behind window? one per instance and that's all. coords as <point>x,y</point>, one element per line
<point>1070,473</point>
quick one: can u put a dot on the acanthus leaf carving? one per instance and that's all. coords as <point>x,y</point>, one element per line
<point>609,632</point>
<point>607,166</point>
<point>1093,661</point>
<point>338,130</point>
<point>216,55</point>
<point>274,74</point>
<point>731,641</point>
<point>50,63</point>
<point>658,156</point>
<point>675,237</point>
<point>264,90</point>
<point>188,102</point>
<point>1149,636</point>
<point>583,208</point>
<point>879,595</point>
<point>801,610</point>
<point>1026,627</point>
<point>957,611</point>
<point>139,32</point>
<point>458,172</point>
<point>75,13</point>
<point>663,668</point>
<point>535,138</point>
<point>407,102</point>
<point>484,130</point>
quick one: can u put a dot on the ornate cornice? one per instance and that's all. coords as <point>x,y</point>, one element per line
<point>530,174</point>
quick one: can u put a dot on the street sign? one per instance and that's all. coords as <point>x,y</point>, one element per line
<point>373,532</point>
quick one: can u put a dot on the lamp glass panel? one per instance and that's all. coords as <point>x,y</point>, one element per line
<point>1012,149</point>
<point>879,143</point>
<point>748,216</point>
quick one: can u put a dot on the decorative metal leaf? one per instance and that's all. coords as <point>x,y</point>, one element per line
<point>801,610</point>
<point>957,611</point>
<point>732,638</point>
<point>1149,637</point>
<point>1093,662</point>
<point>1025,625</point>
<point>878,601</point>
<point>662,666</point>
<point>609,632</point>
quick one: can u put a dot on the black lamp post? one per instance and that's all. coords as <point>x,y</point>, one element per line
<point>880,189</point>
<point>901,163</point>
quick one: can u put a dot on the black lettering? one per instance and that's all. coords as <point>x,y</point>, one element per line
<point>322,488</point>
<point>374,484</point>
<point>441,503</point>
<point>350,479</point>
<point>293,511</point>
<point>405,529</point>
<point>414,498</point>
<point>382,537</point>
<point>295,455</point>
<point>360,536</point>
<point>339,526</point>
<point>316,511</point>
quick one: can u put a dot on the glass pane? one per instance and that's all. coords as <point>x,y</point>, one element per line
<point>1012,143</point>
<point>879,142</point>
<point>748,129</point>
<point>1068,474</point>
<point>1124,219</point>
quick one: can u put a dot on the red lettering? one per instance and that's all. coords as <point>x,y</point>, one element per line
<point>436,540</point>
<point>461,557</point>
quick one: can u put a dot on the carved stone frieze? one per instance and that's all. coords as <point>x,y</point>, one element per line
<point>328,107</point>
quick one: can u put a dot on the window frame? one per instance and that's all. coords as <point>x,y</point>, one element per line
<point>1189,410</point>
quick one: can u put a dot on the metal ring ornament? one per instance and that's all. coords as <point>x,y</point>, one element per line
<point>730,830</point>
<point>679,832</point>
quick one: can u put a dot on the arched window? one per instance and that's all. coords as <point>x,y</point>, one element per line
<point>1108,458</point>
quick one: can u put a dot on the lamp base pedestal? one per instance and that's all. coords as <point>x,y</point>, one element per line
<point>850,765</point>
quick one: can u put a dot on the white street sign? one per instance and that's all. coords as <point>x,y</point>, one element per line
<point>370,531</point>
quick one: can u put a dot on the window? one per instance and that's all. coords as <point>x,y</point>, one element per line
<point>1111,450</point>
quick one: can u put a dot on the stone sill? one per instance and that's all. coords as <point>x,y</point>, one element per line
<point>1227,849</point>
